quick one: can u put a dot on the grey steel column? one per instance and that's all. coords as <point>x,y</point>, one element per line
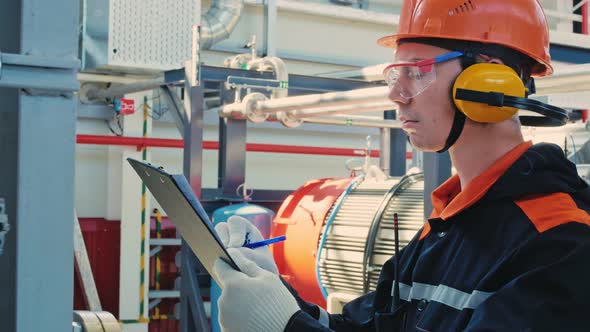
<point>270,27</point>
<point>9,42</point>
<point>397,156</point>
<point>193,140</point>
<point>192,311</point>
<point>232,150</point>
<point>37,145</point>
<point>9,129</point>
<point>437,169</point>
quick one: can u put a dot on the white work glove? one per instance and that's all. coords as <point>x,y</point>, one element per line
<point>253,299</point>
<point>236,231</point>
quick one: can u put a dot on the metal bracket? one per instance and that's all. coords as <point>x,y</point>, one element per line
<point>4,225</point>
<point>239,83</point>
<point>247,82</point>
<point>179,113</point>
<point>39,72</point>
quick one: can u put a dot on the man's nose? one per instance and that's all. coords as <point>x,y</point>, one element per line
<point>396,96</point>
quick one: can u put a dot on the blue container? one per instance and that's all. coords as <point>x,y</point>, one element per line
<point>261,217</point>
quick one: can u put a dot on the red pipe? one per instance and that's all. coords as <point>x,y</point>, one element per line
<point>129,141</point>
<point>141,142</point>
<point>585,18</point>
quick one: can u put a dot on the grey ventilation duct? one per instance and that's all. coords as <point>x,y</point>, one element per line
<point>219,21</point>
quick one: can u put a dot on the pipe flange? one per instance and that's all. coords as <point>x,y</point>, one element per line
<point>234,111</point>
<point>289,121</point>
<point>88,320</point>
<point>250,106</point>
<point>108,321</point>
<point>97,321</point>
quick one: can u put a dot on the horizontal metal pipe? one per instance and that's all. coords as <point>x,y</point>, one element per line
<point>354,117</point>
<point>119,91</point>
<point>572,78</point>
<point>351,97</point>
<point>368,107</point>
<point>563,15</point>
<point>105,78</point>
<point>368,73</point>
<point>348,121</point>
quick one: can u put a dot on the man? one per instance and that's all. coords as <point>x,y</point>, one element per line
<point>507,247</point>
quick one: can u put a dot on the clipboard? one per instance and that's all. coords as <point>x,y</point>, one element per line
<point>175,195</point>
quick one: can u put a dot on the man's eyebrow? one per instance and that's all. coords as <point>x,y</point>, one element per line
<point>411,60</point>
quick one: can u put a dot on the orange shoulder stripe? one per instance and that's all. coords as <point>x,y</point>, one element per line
<point>552,210</point>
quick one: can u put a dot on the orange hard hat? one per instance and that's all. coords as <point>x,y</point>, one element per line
<point>517,24</point>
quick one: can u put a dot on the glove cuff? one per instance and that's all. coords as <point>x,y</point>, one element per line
<point>281,306</point>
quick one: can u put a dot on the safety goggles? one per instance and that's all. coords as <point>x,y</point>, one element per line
<point>410,79</point>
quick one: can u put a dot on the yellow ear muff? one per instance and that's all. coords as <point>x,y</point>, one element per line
<point>488,77</point>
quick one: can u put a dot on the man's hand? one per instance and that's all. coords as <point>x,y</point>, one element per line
<point>252,299</point>
<point>238,231</point>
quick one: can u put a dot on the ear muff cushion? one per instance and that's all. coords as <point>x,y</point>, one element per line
<point>488,77</point>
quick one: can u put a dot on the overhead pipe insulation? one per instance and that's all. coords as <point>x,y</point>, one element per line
<point>256,105</point>
<point>351,97</point>
<point>347,109</point>
<point>372,122</point>
<point>219,21</point>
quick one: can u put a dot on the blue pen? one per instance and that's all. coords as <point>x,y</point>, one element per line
<point>263,243</point>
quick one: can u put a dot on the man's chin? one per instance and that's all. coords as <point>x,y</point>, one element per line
<point>423,147</point>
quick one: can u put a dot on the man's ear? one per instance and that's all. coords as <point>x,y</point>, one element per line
<point>483,58</point>
<point>488,59</point>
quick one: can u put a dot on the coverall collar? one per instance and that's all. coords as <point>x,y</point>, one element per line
<point>448,199</point>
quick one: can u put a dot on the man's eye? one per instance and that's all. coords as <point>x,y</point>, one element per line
<point>412,74</point>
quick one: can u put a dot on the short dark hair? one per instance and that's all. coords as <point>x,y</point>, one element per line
<point>521,63</point>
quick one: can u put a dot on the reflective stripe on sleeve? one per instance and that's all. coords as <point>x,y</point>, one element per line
<point>442,294</point>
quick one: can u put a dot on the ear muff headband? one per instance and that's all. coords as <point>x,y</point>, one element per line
<point>487,92</point>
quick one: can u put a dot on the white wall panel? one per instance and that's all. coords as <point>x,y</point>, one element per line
<point>263,170</point>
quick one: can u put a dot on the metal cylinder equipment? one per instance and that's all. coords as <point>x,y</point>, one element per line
<point>349,225</point>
